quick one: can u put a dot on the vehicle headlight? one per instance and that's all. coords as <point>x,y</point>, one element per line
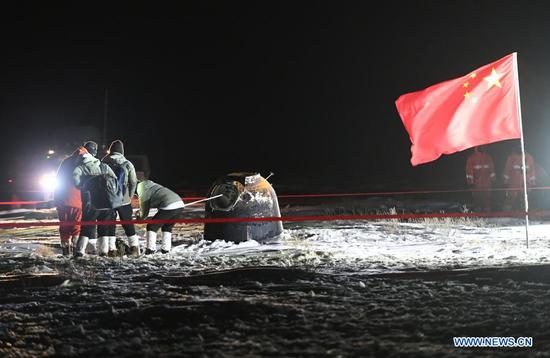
<point>48,181</point>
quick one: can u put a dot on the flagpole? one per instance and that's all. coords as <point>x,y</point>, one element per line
<point>524,169</point>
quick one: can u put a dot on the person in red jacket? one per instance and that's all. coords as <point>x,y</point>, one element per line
<point>513,177</point>
<point>480,175</point>
<point>68,201</point>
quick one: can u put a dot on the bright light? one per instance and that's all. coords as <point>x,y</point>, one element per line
<point>51,151</point>
<point>48,182</point>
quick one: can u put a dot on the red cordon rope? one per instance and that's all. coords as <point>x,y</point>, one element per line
<point>191,198</point>
<point>383,193</point>
<point>21,202</point>
<point>333,195</point>
<point>282,219</point>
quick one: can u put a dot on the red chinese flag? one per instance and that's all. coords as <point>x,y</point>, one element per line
<point>478,108</point>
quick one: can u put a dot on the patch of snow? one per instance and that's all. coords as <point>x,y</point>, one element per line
<point>348,246</point>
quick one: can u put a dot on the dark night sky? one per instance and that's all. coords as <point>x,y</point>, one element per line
<point>304,89</point>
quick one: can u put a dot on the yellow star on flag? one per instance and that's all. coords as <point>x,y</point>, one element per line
<point>467,95</point>
<point>465,85</point>
<point>493,79</point>
<point>473,75</point>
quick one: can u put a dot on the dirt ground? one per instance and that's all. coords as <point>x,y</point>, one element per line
<point>108,308</point>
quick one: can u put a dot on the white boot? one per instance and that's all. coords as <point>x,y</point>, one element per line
<point>166,242</point>
<point>103,245</point>
<point>81,245</point>
<point>133,242</point>
<point>151,242</point>
<point>92,247</point>
<point>113,252</point>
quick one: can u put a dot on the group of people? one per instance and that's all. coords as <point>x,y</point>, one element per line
<point>480,177</point>
<point>74,200</point>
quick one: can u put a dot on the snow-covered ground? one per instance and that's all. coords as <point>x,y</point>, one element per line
<point>359,247</point>
<point>347,288</point>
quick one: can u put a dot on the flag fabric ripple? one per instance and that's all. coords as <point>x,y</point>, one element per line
<point>478,108</point>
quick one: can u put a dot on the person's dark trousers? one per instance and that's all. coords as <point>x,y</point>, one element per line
<point>106,230</point>
<point>88,215</point>
<point>125,214</point>
<point>165,215</point>
<point>88,231</point>
<point>99,216</point>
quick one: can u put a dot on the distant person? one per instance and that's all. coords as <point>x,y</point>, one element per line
<point>88,168</point>
<point>119,164</point>
<point>480,175</point>
<point>68,201</point>
<point>513,177</point>
<point>169,205</point>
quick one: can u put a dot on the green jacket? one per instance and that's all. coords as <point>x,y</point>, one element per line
<point>153,195</point>
<point>89,166</point>
<point>130,185</point>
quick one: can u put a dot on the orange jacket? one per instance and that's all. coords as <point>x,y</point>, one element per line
<point>480,170</point>
<point>66,193</point>
<point>513,173</point>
